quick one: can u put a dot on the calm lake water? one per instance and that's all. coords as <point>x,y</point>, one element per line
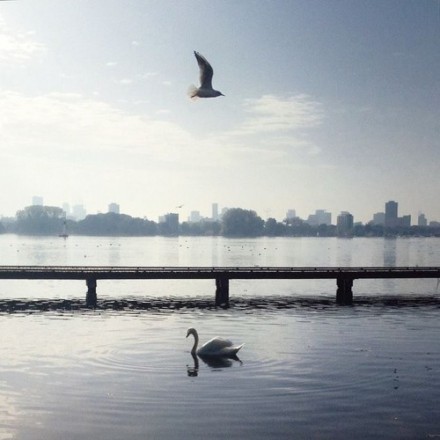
<point>313,370</point>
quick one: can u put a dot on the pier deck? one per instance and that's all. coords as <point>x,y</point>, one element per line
<point>344,275</point>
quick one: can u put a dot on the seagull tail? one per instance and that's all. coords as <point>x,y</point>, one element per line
<point>192,91</point>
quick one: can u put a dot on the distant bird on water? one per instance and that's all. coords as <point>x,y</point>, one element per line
<point>206,72</point>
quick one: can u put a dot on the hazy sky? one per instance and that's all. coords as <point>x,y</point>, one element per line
<point>329,104</point>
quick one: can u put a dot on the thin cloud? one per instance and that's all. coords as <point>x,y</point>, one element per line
<point>147,75</point>
<point>274,114</point>
<point>125,81</point>
<point>18,47</point>
<point>59,122</point>
<point>58,125</point>
<point>282,124</point>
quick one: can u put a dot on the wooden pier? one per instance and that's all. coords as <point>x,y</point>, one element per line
<point>344,276</point>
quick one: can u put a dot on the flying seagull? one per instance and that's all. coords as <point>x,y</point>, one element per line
<point>205,90</point>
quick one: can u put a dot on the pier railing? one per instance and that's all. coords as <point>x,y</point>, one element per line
<point>344,276</point>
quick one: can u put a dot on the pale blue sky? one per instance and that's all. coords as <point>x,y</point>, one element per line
<point>329,104</point>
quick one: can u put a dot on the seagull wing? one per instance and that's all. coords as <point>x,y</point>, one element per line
<point>206,71</point>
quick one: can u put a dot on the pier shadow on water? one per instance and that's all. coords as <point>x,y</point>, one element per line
<point>175,304</point>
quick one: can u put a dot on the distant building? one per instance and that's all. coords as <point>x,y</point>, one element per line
<point>66,209</point>
<point>195,217</point>
<point>113,207</point>
<point>391,209</point>
<point>422,220</point>
<point>321,217</point>
<point>379,218</point>
<point>344,223</point>
<point>78,212</point>
<point>290,214</point>
<point>37,201</point>
<point>215,211</point>
<point>391,218</point>
<point>171,221</point>
<point>405,221</point>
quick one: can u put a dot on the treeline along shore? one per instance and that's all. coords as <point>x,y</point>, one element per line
<point>236,222</point>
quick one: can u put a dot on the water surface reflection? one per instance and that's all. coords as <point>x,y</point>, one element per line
<point>309,369</point>
<point>212,362</point>
<point>118,374</point>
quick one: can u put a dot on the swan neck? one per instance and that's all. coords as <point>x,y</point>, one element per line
<point>196,342</point>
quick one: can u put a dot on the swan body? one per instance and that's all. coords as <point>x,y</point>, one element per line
<point>215,347</point>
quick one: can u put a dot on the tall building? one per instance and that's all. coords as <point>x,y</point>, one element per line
<point>66,209</point>
<point>320,217</point>
<point>391,219</point>
<point>344,223</point>
<point>405,221</point>
<point>171,221</point>
<point>113,207</point>
<point>422,220</point>
<point>379,218</point>
<point>78,212</point>
<point>215,211</point>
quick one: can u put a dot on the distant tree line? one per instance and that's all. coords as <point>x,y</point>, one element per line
<point>236,222</point>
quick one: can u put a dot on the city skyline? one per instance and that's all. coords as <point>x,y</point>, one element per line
<point>388,217</point>
<point>328,104</point>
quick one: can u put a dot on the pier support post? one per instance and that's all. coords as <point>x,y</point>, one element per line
<point>344,292</point>
<point>91,296</point>
<point>222,291</point>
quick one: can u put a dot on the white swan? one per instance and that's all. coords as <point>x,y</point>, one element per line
<point>215,347</point>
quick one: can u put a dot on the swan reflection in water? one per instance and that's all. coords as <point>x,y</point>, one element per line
<point>193,371</point>
<point>216,353</point>
<point>212,362</point>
